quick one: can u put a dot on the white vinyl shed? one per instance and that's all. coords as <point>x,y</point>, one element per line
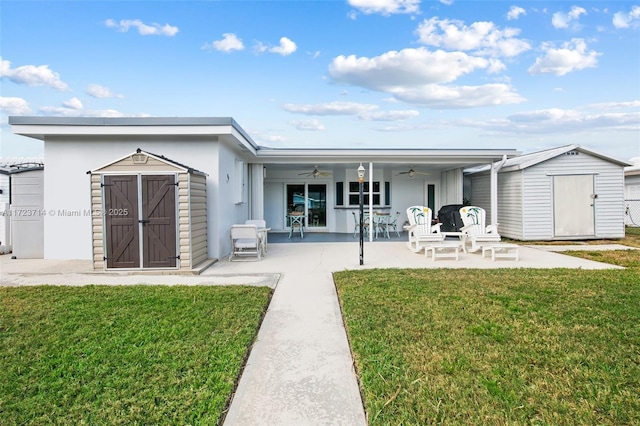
<point>5,211</point>
<point>27,212</point>
<point>565,193</point>
<point>632,196</point>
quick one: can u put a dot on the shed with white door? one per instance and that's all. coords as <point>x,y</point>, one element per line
<point>148,212</point>
<point>27,212</point>
<point>565,193</point>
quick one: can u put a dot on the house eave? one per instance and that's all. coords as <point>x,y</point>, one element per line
<point>399,156</point>
<point>42,127</point>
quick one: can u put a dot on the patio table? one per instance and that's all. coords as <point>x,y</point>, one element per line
<point>461,236</point>
<point>381,223</point>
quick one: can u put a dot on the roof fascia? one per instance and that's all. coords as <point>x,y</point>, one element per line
<point>276,155</point>
<point>41,127</point>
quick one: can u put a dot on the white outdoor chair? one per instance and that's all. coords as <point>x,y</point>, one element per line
<point>421,232</point>
<point>356,222</point>
<point>261,224</point>
<point>474,227</point>
<point>393,224</point>
<point>245,242</point>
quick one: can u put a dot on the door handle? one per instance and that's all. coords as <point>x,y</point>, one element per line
<point>144,221</point>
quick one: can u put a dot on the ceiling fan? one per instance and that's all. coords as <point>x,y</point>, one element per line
<point>315,173</point>
<point>412,173</point>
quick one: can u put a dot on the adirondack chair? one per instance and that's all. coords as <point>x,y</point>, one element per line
<point>245,241</point>
<point>474,219</point>
<point>421,232</point>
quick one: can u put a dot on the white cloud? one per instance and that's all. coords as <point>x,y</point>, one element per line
<point>312,124</point>
<point>555,120</point>
<point>386,7</point>
<point>73,103</point>
<point>286,47</point>
<point>417,76</point>
<point>572,56</point>
<point>368,112</point>
<point>74,108</point>
<point>229,42</point>
<point>481,37</point>
<point>14,106</point>
<point>143,29</point>
<point>331,108</point>
<point>627,20</point>
<point>32,75</point>
<point>408,67</point>
<point>398,115</point>
<point>64,111</point>
<point>515,12</point>
<point>101,92</point>
<point>439,96</point>
<point>566,20</point>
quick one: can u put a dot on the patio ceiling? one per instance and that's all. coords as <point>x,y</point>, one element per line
<point>394,159</point>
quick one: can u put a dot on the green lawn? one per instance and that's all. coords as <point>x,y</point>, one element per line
<point>123,355</point>
<point>498,347</point>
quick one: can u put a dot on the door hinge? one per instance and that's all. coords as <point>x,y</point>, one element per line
<point>102,185</point>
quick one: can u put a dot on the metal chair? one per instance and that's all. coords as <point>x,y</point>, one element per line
<point>356,227</point>
<point>393,224</point>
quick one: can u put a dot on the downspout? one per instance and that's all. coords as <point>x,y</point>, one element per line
<point>495,168</point>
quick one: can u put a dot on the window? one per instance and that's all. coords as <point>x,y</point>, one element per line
<point>354,193</point>
<point>387,193</point>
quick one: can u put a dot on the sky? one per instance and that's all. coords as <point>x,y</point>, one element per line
<point>525,75</point>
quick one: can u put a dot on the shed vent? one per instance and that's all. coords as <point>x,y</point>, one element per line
<point>139,158</point>
<point>574,152</point>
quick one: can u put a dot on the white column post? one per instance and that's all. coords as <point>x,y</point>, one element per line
<point>256,191</point>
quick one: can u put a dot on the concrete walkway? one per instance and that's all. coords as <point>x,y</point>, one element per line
<point>300,369</point>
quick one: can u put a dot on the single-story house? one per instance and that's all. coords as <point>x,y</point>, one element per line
<point>221,174</point>
<point>221,171</point>
<point>563,193</point>
<point>632,195</point>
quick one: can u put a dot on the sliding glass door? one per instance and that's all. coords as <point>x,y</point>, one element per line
<point>310,200</point>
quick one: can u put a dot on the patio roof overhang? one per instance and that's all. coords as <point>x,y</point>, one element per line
<point>434,159</point>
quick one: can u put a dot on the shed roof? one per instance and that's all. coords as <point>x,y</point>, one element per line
<point>161,158</point>
<point>528,160</point>
<point>11,165</point>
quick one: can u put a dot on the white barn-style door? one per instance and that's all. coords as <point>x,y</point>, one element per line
<point>573,206</point>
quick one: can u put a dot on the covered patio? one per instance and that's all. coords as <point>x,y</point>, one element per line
<point>322,184</point>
